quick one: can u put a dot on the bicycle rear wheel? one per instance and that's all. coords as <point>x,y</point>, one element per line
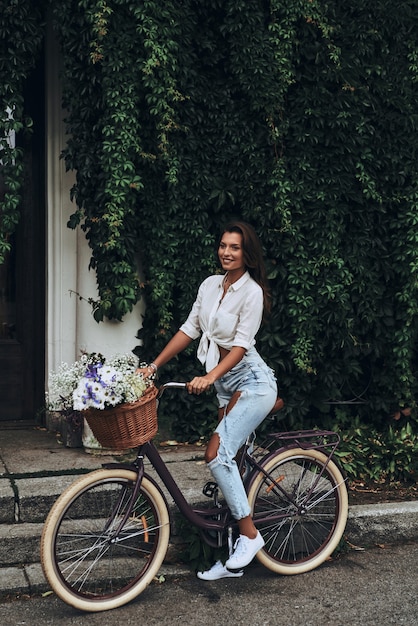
<point>304,504</point>
<point>88,562</point>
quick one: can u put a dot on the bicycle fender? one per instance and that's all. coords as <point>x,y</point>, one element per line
<point>141,474</point>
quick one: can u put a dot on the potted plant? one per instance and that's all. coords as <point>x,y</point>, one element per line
<point>116,406</point>
<point>60,414</point>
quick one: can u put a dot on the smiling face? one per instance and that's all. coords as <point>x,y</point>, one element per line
<point>231,254</point>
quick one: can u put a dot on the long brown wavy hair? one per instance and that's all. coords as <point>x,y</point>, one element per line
<point>253,257</point>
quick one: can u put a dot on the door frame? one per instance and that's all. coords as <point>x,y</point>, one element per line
<point>25,355</point>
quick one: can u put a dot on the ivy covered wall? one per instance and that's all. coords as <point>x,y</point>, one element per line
<point>299,116</point>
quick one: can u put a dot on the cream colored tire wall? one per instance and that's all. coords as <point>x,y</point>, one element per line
<point>48,536</point>
<point>306,566</point>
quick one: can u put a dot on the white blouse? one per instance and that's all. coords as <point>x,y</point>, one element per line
<point>230,321</point>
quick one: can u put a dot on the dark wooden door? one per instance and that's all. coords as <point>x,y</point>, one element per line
<point>22,278</point>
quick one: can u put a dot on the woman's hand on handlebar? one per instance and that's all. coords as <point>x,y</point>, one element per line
<point>199,384</point>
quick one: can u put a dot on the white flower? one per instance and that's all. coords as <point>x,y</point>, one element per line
<point>94,382</point>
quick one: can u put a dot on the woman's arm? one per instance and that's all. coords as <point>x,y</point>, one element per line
<point>202,383</point>
<point>177,344</point>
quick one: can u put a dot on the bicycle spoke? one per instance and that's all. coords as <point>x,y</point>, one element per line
<point>95,556</point>
<point>297,507</point>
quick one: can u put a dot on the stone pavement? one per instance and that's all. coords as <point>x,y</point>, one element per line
<point>35,468</point>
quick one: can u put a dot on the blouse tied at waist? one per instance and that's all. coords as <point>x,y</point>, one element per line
<point>208,351</point>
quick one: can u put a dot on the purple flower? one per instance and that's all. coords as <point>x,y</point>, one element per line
<point>90,395</point>
<point>91,371</point>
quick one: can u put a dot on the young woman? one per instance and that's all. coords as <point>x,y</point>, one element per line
<point>227,314</point>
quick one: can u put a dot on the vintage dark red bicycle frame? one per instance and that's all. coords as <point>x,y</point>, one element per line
<point>203,518</point>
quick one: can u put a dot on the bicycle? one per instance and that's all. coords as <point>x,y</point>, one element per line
<point>106,536</point>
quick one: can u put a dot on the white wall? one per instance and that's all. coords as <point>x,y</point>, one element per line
<point>70,327</point>
<point>108,337</point>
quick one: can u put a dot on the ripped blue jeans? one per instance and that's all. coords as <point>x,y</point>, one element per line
<point>258,392</point>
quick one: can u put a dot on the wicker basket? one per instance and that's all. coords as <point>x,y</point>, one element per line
<point>127,425</point>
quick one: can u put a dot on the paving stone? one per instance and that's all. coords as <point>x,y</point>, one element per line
<point>7,502</point>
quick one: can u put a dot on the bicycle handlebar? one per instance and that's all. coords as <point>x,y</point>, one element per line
<point>173,385</point>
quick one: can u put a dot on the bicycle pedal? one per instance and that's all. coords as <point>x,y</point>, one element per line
<point>210,489</point>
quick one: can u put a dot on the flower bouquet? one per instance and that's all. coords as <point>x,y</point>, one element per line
<point>120,407</point>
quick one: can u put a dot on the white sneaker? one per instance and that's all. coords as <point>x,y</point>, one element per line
<point>245,550</point>
<point>218,571</point>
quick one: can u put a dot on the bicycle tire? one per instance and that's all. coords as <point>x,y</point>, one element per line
<point>311,527</point>
<point>87,566</point>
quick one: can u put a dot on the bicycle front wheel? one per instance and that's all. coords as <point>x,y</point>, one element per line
<point>90,562</point>
<point>300,509</point>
